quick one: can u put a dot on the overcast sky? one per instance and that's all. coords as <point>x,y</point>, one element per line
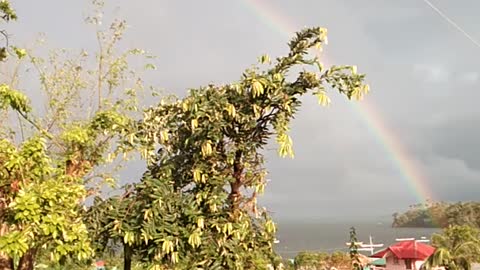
<point>423,73</point>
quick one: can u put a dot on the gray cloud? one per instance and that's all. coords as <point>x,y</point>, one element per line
<point>457,139</point>
<point>423,76</point>
<point>432,73</point>
<point>469,77</point>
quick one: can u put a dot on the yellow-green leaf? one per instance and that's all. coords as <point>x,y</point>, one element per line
<point>323,99</point>
<point>257,88</point>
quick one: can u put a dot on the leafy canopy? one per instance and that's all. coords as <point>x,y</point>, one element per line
<point>196,205</point>
<point>457,247</point>
<point>52,159</point>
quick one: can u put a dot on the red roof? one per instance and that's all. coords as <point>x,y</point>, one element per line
<point>407,250</point>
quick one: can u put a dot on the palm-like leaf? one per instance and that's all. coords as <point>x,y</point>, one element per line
<point>451,260</point>
<point>441,257</point>
<point>457,247</point>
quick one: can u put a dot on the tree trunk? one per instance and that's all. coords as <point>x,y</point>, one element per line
<point>127,257</point>
<point>27,261</point>
<point>235,194</point>
<point>6,263</point>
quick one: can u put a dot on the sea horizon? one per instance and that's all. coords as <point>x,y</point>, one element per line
<point>327,235</point>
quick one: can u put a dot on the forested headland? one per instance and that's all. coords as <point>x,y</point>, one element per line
<point>439,215</point>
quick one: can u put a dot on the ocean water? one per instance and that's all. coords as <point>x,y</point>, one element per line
<point>296,236</point>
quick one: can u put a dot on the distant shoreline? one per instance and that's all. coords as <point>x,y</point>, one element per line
<point>329,236</point>
<point>416,226</point>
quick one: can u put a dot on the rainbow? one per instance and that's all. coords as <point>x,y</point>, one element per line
<point>399,156</point>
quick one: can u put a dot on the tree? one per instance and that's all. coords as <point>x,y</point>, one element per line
<point>464,213</point>
<point>439,214</point>
<point>196,204</point>
<point>312,260</point>
<point>105,218</point>
<point>51,160</point>
<point>456,248</point>
<point>7,14</point>
<point>353,250</point>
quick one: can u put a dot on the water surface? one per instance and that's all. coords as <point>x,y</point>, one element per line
<point>328,237</point>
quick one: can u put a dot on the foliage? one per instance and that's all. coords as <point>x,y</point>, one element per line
<point>443,258</point>
<point>110,224</point>
<point>464,213</point>
<point>112,260</point>
<point>43,210</point>
<point>439,214</point>
<point>456,248</point>
<point>353,249</point>
<point>51,160</point>
<point>7,13</point>
<point>313,261</point>
<point>195,207</point>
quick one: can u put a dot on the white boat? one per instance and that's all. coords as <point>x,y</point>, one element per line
<point>367,247</point>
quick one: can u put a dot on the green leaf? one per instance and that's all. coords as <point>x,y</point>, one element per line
<point>21,53</point>
<point>150,66</point>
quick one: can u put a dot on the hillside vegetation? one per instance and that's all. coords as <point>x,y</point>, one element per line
<point>439,214</point>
